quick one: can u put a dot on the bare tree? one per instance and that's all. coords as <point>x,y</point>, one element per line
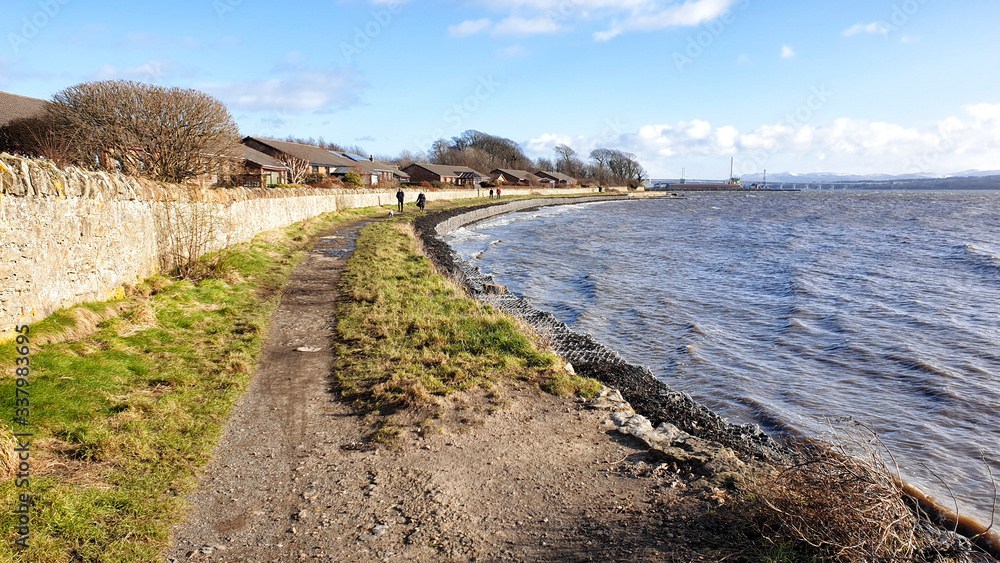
<point>298,168</point>
<point>625,169</point>
<point>479,151</point>
<point>617,167</point>
<point>566,154</point>
<point>169,134</point>
<point>601,157</point>
<point>407,158</point>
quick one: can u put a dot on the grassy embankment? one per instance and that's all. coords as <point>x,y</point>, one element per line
<point>409,337</point>
<point>128,397</point>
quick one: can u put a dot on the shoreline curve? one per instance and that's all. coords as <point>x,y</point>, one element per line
<point>649,396</point>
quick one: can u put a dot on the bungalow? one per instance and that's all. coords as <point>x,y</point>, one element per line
<point>557,178</point>
<point>13,107</point>
<point>513,177</point>
<point>375,171</point>
<point>445,174</point>
<point>246,168</point>
<point>324,163</point>
<point>321,161</point>
<point>261,169</point>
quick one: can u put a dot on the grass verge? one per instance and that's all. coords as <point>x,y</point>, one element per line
<point>128,398</point>
<point>409,338</point>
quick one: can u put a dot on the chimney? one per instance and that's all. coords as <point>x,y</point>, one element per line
<point>371,157</point>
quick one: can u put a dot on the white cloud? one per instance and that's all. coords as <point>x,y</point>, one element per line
<point>508,27</point>
<point>984,112</point>
<point>874,28</point>
<point>469,27</point>
<point>150,71</point>
<point>652,16</point>
<point>522,26</point>
<point>968,141</point>
<point>787,52</point>
<point>316,90</point>
<point>528,17</point>
<point>513,52</point>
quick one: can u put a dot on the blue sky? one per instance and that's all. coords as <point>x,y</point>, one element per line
<point>850,86</point>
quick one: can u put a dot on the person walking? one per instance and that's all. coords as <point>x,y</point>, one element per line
<point>421,201</point>
<point>399,198</point>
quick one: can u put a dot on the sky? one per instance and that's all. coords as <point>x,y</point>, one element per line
<point>834,86</point>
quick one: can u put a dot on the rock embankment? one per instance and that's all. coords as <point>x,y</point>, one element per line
<point>650,397</point>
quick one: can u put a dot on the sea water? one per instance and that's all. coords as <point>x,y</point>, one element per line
<point>791,310</point>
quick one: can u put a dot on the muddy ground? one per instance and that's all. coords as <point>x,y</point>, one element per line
<point>511,474</point>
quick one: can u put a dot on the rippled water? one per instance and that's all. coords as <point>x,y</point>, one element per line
<point>789,309</point>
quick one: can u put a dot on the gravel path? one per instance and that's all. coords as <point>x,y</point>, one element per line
<point>512,474</point>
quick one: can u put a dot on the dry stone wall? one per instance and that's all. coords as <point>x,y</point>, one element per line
<point>71,236</point>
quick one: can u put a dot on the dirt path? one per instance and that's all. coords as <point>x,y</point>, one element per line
<point>511,474</point>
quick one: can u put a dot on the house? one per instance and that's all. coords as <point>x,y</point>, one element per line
<point>324,163</point>
<point>557,178</point>
<point>243,167</point>
<point>321,162</point>
<point>14,107</point>
<point>513,177</point>
<point>445,174</point>
<point>260,170</point>
<point>375,170</point>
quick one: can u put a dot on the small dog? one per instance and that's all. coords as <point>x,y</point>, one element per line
<point>391,213</point>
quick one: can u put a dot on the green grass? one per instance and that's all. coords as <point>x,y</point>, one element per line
<point>408,336</point>
<point>128,398</point>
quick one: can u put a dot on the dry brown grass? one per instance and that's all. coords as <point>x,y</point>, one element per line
<point>142,317</point>
<point>83,322</point>
<point>8,457</point>
<point>841,502</point>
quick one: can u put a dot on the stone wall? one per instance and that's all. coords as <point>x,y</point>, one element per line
<point>71,236</point>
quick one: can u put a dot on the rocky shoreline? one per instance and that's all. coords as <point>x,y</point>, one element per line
<point>650,397</point>
<point>684,432</point>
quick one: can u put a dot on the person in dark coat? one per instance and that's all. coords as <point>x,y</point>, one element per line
<point>491,193</point>
<point>421,201</point>
<point>399,198</point>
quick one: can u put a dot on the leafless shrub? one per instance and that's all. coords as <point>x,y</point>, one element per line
<point>845,501</point>
<point>168,134</point>
<point>37,136</point>
<point>188,231</point>
<point>329,182</point>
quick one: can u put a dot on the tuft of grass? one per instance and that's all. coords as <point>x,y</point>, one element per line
<point>408,338</point>
<point>563,384</point>
<point>128,398</point>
